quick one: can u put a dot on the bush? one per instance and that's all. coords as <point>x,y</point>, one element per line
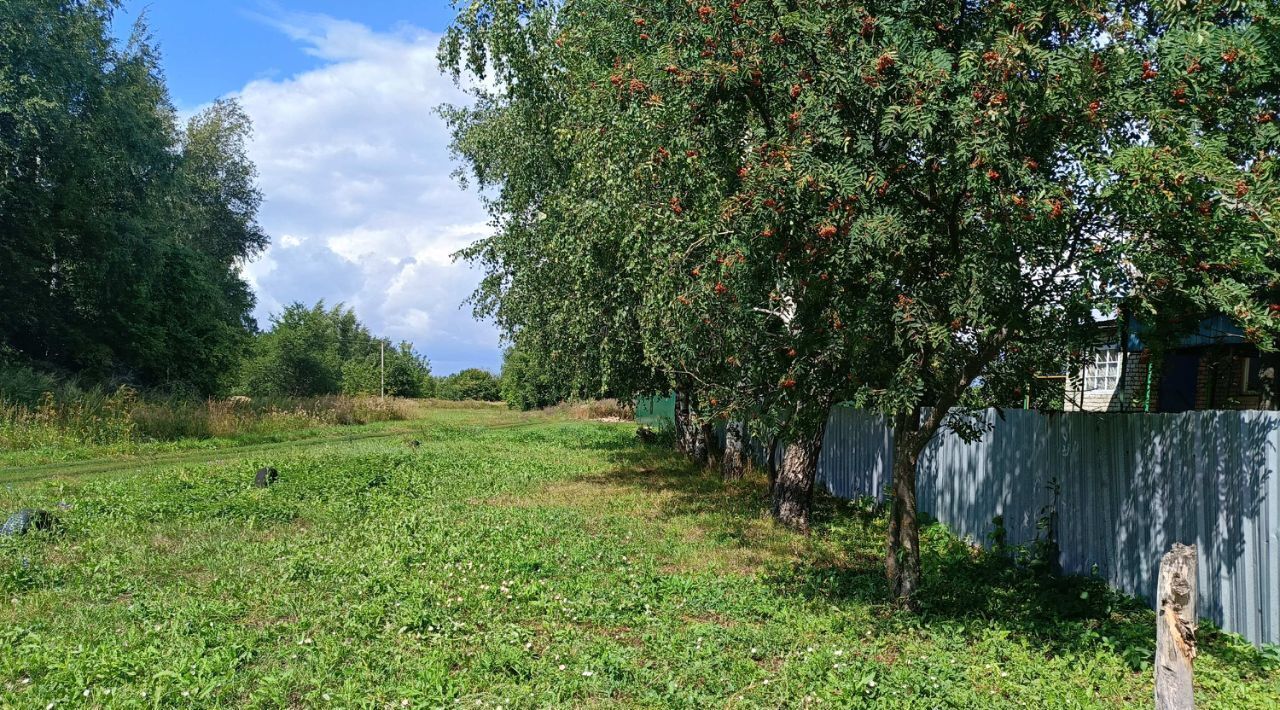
<point>470,385</point>
<point>24,385</point>
<point>528,384</point>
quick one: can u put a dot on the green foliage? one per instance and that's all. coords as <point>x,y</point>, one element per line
<point>470,385</point>
<point>319,351</point>
<point>407,374</point>
<point>121,234</point>
<point>529,381</point>
<point>552,564</point>
<point>22,384</point>
<point>912,204</point>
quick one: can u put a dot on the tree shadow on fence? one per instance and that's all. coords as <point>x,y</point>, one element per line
<point>964,588</point>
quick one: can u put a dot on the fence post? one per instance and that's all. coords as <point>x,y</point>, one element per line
<point>1176,629</point>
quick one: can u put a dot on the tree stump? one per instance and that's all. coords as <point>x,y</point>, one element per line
<point>24,521</point>
<point>1176,629</point>
<point>266,477</point>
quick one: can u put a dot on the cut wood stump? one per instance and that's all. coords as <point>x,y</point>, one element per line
<point>265,477</point>
<point>1176,629</point>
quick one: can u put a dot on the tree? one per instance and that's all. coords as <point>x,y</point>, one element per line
<point>531,382</point>
<point>317,350</point>
<point>120,235</point>
<point>471,385</point>
<point>407,374</point>
<point>916,206</point>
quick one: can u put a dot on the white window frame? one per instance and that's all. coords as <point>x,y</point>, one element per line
<point>1105,371</point>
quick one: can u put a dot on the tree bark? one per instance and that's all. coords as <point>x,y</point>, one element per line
<point>902,554</point>
<point>734,463</point>
<point>771,457</point>
<point>1176,629</point>
<point>704,438</point>
<point>793,491</point>
<point>685,437</point>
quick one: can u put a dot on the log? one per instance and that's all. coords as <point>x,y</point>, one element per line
<point>1176,629</point>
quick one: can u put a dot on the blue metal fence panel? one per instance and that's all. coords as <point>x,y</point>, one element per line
<point>1124,487</point>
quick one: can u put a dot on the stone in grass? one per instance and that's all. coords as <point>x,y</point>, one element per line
<point>24,521</point>
<point>266,477</point>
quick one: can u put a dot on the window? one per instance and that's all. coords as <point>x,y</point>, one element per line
<point>1103,374</point>
<point>1251,380</point>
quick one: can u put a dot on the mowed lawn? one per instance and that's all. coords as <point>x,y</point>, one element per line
<point>531,562</point>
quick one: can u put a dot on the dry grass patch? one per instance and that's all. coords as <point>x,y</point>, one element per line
<point>703,537</point>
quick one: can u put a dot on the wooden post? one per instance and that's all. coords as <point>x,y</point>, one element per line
<point>1176,629</point>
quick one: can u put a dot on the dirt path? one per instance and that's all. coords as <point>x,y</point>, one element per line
<point>27,474</point>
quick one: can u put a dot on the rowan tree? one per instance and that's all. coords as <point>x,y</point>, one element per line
<point>913,206</point>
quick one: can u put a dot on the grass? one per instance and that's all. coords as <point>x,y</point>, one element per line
<point>528,561</point>
<point>94,424</point>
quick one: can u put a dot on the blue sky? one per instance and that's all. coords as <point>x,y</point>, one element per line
<point>354,165</point>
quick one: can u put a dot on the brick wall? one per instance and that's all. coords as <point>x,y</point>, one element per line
<point>1128,397</point>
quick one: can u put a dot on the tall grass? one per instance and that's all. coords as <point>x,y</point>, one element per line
<point>90,419</point>
<point>598,409</point>
<point>97,418</point>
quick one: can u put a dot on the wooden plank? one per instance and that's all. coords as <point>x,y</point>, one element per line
<point>1176,629</point>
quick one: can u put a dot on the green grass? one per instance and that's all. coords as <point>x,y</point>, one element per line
<point>527,562</point>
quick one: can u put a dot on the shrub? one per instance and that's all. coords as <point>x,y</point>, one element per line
<point>473,384</point>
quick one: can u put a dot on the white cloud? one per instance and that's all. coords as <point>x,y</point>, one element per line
<point>356,173</point>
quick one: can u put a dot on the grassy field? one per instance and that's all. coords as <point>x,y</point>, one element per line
<point>526,561</point>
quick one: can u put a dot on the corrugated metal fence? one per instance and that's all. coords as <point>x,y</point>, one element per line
<point>1127,487</point>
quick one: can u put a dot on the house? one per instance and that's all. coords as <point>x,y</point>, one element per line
<point>1212,368</point>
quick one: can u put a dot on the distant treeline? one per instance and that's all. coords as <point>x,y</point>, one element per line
<point>314,351</point>
<point>122,234</point>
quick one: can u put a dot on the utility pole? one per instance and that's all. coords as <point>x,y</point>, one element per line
<point>382,367</point>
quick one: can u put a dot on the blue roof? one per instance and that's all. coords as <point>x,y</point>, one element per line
<point>1215,330</point>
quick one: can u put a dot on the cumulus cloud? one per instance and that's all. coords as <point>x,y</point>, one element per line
<point>360,200</point>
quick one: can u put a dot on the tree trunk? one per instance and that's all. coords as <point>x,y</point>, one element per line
<point>685,437</point>
<point>734,463</point>
<point>771,457</point>
<point>1176,629</point>
<point>704,438</point>
<point>902,555</point>
<point>793,491</point>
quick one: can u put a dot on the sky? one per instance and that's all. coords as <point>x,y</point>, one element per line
<point>359,197</point>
